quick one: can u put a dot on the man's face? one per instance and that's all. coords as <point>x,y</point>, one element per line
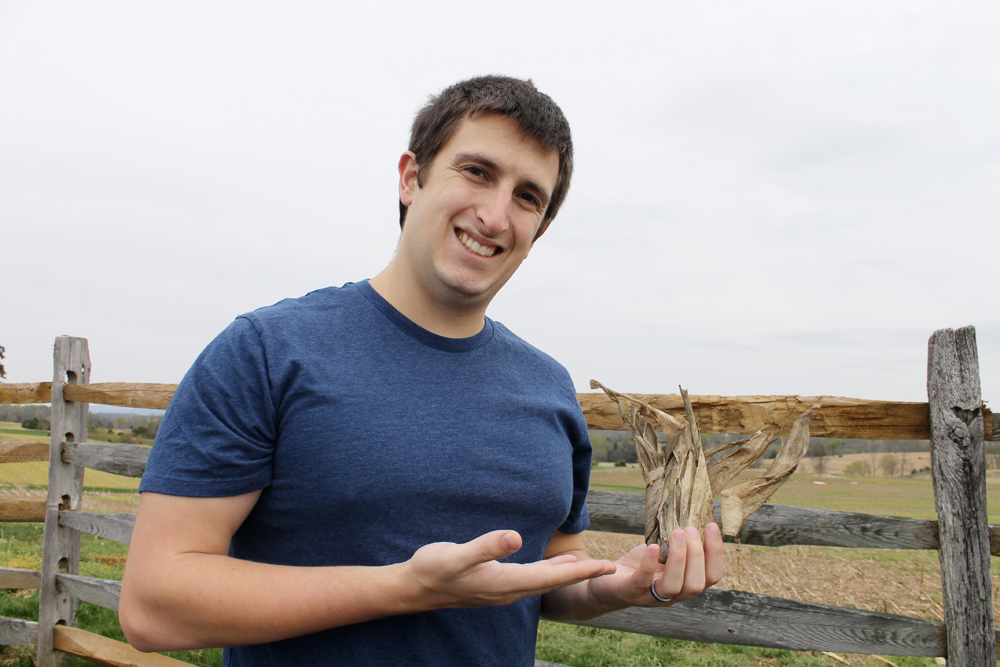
<point>473,221</point>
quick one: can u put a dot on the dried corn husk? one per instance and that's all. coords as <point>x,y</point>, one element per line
<point>644,421</point>
<point>690,502</point>
<point>744,499</point>
<point>676,478</point>
<point>723,472</point>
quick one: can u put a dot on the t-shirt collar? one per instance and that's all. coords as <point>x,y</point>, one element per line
<point>417,332</point>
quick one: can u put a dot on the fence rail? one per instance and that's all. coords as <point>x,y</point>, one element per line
<point>730,617</point>
<point>837,417</point>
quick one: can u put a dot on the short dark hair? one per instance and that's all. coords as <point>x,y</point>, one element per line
<point>533,111</point>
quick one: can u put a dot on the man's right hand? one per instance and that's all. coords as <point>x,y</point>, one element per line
<point>446,574</point>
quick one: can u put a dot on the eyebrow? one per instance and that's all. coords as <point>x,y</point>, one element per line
<point>543,196</point>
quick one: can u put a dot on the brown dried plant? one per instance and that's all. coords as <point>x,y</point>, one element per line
<point>679,484</point>
<point>643,420</point>
<point>742,500</point>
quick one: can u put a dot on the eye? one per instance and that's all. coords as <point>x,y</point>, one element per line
<point>476,171</point>
<point>530,198</point>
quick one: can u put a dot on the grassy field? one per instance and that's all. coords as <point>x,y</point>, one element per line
<point>877,580</point>
<point>35,475</point>
<point>910,496</point>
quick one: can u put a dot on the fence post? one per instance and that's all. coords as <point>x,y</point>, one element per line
<point>958,464</point>
<point>61,546</point>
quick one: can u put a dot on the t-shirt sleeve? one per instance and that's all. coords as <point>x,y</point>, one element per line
<point>579,517</point>
<point>217,436</point>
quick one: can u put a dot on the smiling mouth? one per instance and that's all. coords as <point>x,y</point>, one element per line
<point>474,246</point>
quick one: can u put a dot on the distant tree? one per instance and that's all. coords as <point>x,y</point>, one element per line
<point>993,454</point>
<point>36,424</point>
<point>820,465</point>
<point>3,373</point>
<point>858,469</point>
<point>889,463</point>
<point>873,455</point>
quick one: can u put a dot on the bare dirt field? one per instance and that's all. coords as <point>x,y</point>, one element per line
<point>892,581</point>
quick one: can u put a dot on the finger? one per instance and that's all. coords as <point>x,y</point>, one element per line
<point>485,548</point>
<point>714,551</point>
<point>565,558</point>
<point>671,579</point>
<point>541,577</point>
<point>648,566</point>
<point>694,567</point>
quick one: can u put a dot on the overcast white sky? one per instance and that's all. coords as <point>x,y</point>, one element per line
<point>771,197</point>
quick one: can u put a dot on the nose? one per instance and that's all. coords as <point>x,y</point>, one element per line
<point>494,211</point>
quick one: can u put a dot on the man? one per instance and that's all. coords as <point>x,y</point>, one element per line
<point>379,473</point>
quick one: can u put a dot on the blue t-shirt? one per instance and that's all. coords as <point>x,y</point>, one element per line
<point>369,438</point>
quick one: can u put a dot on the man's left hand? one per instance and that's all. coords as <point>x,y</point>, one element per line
<point>692,566</point>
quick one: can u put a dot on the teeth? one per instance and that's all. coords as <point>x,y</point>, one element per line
<point>481,250</point>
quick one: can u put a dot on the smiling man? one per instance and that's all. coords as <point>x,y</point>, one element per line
<point>379,474</point>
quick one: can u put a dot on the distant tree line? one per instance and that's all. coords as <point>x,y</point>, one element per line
<point>613,446</point>
<point>106,427</point>
<point>885,457</point>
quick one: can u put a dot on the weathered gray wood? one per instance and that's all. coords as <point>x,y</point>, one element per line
<point>61,544</point>
<point>748,619</point>
<point>127,460</point>
<point>16,577</point>
<point>102,592</point>
<point>958,468</point>
<point>15,632</point>
<point>15,451</point>
<point>542,663</point>
<point>781,525</point>
<point>115,527</point>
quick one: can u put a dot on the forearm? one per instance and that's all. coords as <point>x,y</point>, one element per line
<point>181,590</point>
<point>191,599</point>
<point>199,600</point>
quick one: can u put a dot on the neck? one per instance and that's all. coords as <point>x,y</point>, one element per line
<point>451,320</point>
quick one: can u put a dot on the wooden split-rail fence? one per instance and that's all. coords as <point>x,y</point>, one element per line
<point>955,420</point>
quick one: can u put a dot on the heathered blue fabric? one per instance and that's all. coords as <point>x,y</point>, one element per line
<point>371,437</point>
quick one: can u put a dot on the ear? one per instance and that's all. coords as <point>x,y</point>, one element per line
<point>407,177</point>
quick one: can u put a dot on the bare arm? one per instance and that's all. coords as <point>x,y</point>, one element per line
<point>691,567</point>
<point>181,590</point>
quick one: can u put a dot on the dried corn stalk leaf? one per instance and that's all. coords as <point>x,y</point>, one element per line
<point>724,447</point>
<point>723,472</point>
<point>744,499</point>
<point>644,421</point>
<point>690,502</point>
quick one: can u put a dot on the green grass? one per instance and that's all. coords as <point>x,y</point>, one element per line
<point>592,647</point>
<point>35,475</point>
<point>24,431</point>
<point>21,546</point>
<point>911,497</point>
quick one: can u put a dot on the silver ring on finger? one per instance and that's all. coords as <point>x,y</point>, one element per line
<point>659,598</point>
